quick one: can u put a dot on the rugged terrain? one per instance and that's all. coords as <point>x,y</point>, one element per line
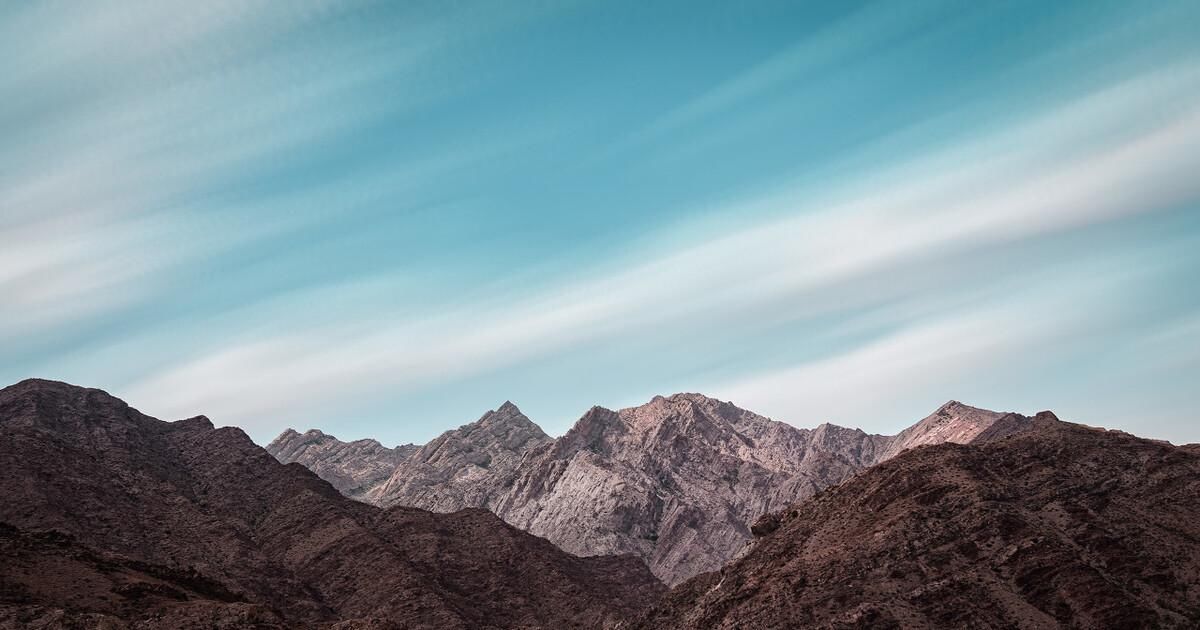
<point>115,519</point>
<point>461,468</point>
<point>356,469</point>
<point>1062,526</point>
<point>677,481</point>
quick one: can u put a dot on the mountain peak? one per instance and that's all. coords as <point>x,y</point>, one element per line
<point>957,407</point>
<point>455,470</point>
<point>677,408</point>
<point>355,468</point>
<point>694,398</point>
<point>287,434</point>
<point>194,423</point>
<point>958,423</point>
<point>504,419</point>
<point>55,389</point>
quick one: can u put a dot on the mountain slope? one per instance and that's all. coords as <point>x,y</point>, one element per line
<point>462,468</point>
<point>1061,526</point>
<point>953,422</point>
<point>677,481</point>
<point>199,527</point>
<point>356,469</point>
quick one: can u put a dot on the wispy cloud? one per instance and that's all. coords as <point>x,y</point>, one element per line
<point>870,26</point>
<point>102,199</point>
<point>267,212</point>
<point>819,254</point>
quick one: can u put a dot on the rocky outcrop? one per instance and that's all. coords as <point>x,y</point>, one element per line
<point>1061,526</point>
<point>465,467</point>
<point>356,469</point>
<point>115,519</point>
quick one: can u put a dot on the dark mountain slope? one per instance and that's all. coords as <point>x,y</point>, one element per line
<point>153,507</point>
<point>1062,526</point>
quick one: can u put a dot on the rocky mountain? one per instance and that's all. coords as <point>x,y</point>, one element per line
<point>677,481</point>
<point>953,422</point>
<point>356,469</point>
<point>1061,526</point>
<point>114,519</point>
<point>461,468</point>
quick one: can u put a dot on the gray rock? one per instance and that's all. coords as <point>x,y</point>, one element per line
<point>464,467</point>
<point>355,468</point>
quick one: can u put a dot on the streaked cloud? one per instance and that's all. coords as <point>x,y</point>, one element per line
<point>819,254</point>
<point>376,219</point>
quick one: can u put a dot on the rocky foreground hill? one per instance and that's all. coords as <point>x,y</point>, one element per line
<point>677,481</point>
<point>1062,526</point>
<point>112,519</point>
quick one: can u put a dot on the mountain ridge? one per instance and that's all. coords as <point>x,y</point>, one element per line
<point>678,480</point>
<point>1060,526</point>
<point>119,518</point>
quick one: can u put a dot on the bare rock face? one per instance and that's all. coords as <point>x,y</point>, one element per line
<point>463,467</point>
<point>680,480</point>
<point>677,481</point>
<point>1060,526</point>
<point>953,422</point>
<point>113,519</point>
<point>356,469</point>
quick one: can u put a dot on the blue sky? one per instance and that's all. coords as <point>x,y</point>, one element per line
<point>383,219</point>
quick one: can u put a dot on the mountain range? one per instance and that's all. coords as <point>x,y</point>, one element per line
<point>1060,526</point>
<point>969,519</point>
<point>111,519</point>
<point>677,481</point>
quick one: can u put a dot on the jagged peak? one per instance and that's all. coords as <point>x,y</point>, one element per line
<point>1046,416</point>
<point>506,414</point>
<point>676,400</point>
<point>963,410</point>
<point>693,397</point>
<point>593,421</point>
<point>954,406</point>
<point>287,434</point>
<point>676,407</point>
<point>829,427</point>
<point>291,434</point>
<point>588,430</point>
<point>506,419</point>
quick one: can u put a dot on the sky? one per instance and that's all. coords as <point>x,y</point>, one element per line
<point>384,219</point>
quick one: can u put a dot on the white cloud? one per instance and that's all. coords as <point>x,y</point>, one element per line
<point>822,252</point>
<point>155,101</point>
<point>872,380</point>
